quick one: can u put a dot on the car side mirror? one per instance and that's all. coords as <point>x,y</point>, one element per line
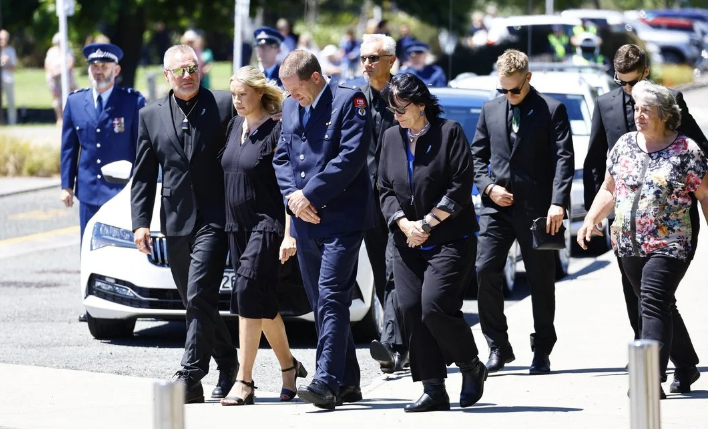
<point>117,172</point>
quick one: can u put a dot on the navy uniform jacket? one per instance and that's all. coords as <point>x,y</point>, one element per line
<point>431,75</point>
<point>327,160</point>
<point>274,76</point>
<point>88,143</point>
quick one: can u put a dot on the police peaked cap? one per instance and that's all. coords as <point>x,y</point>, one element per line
<point>267,35</point>
<point>103,53</point>
<point>416,46</point>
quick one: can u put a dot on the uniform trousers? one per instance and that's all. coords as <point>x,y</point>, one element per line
<point>197,264</point>
<point>655,279</point>
<point>86,212</point>
<point>496,235</point>
<point>431,286</point>
<point>329,266</point>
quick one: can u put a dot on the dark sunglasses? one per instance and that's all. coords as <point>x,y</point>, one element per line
<point>372,58</point>
<point>179,71</point>
<point>515,91</point>
<point>399,110</point>
<point>623,83</point>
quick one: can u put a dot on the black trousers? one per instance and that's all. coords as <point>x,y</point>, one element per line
<point>197,264</point>
<point>496,235</point>
<point>431,286</point>
<point>655,279</point>
<point>380,248</point>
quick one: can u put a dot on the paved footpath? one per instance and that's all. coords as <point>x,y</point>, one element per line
<point>587,388</point>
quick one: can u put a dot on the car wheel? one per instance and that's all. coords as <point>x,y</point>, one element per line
<point>510,269</point>
<point>563,255</point>
<point>106,329</point>
<point>672,57</point>
<point>370,327</point>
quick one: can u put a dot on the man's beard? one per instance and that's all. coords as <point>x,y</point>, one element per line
<point>103,83</point>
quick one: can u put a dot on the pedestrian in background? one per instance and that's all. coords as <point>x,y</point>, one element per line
<point>255,224</point>
<point>268,43</point>
<point>8,60</point>
<point>182,135</point>
<point>207,60</point>
<point>320,163</point>
<point>416,53</point>
<point>52,74</point>
<point>425,181</point>
<point>523,158</point>
<point>651,173</point>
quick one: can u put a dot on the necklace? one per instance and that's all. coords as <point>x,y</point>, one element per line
<point>185,122</point>
<point>413,136</point>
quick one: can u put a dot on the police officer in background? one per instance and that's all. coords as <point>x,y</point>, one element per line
<point>267,41</point>
<point>417,53</point>
<point>100,127</point>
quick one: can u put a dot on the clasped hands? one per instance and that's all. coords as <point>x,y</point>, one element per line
<point>413,231</point>
<point>302,207</point>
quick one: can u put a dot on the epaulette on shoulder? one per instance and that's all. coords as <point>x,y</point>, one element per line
<point>347,86</point>
<point>80,90</point>
<point>131,91</point>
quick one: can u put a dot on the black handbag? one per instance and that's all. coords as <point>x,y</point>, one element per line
<point>545,241</point>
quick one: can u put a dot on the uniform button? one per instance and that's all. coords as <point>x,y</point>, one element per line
<point>77,127</point>
<point>302,174</point>
<point>98,144</point>
<point>302,157</point>
<point>98,161</point>
<point>326,136</point>
<point>98,176</point>
<point>98,130</point>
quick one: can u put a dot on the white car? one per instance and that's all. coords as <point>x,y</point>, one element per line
<point>120,285</point>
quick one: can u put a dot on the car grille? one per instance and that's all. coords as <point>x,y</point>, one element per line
<point>159,257</point>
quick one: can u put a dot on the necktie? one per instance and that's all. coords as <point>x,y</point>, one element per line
<point>629,111</point>
<point>99,105</point>
<point>515,118</point>
<point>306,116</point>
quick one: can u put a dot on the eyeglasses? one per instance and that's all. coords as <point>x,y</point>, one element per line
<point>623,83</point>
<point>179,71</point>
<point>372,58</point>
<point>399,110</point>
<point>515,91</point>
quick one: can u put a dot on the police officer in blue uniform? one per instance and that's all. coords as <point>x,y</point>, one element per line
<point>100,127</point>
<point>320,163</point>
<point>417,53</point>
<point>267,41</point>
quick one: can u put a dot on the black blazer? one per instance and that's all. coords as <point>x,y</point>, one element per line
<point>387,121</point>
<point>539,169</point>
<point>442,178</point>
<point>191,182</point>
<point>609,124</point>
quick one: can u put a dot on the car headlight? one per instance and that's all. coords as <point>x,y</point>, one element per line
<point>106,235</point>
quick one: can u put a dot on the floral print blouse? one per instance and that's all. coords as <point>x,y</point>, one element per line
<point>652,196</point>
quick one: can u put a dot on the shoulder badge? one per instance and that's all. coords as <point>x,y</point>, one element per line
<point>360,106</point>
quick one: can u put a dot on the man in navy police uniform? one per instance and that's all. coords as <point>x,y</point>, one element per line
<point>417,53</point>
<point>320,163</point>
<point>267,41</point>
<point>100,127</point>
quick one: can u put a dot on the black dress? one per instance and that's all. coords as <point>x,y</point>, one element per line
<point>255,218</point>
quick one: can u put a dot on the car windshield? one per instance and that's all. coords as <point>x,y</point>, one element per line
<point>578,112</point>
<point>467,117</point>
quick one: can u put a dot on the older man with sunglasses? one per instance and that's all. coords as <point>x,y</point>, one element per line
<point>613,117</point>
<point>523,163</point>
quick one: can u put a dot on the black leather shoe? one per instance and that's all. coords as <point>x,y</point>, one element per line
<point>401,361</point>
<point>683,379</point>
<point>82,317</point>
<point>541,364</point>
<point>434,398</point>
<point>384,354</point>
<point>473,376</point>
<point>498,358</point>
<point>318,394</point>
<point>348,394</point>
<point>193,390</point>
<point>227,378</point>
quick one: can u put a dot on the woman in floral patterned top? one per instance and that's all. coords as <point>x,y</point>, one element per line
<point>650,176</point>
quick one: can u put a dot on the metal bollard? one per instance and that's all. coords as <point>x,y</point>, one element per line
<point>644,384</point>
<point>152,86</point>
<point>169,405</point>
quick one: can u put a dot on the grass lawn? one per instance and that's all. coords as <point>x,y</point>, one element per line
<point>31,89</point>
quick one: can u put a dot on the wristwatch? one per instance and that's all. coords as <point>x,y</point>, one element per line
<point>425,226</point>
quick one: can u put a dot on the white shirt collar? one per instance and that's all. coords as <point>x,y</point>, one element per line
<point>314,103</point>
<point>104,96</point>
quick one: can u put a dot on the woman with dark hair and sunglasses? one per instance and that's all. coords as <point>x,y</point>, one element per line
<point>425,183</point>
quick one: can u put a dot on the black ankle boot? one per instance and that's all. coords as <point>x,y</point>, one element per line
<point>474,373</point>
<point>434,398</point>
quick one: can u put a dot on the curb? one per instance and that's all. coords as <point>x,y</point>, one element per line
<point>31,189</point>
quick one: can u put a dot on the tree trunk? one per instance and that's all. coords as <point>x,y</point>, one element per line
<point>129,29</point>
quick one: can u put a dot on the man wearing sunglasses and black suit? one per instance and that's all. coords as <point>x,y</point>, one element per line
<point>183,134</point>
<point>523,162</point>
<point>613,117</point>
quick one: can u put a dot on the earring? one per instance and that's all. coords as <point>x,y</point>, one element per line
<point>422,113</point>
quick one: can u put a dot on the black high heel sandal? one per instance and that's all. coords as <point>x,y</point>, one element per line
<point>287,395</point>
<point>235,400</point>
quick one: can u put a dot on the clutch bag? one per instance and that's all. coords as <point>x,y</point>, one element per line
<point>545,241</point>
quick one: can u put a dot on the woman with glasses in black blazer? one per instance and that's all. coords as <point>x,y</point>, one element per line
<point>425,182</point>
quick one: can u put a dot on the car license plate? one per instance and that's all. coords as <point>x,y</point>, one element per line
<point>227,282</point>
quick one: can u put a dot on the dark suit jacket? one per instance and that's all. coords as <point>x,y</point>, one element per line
<point>387,121</point>
<point>539,169</point>
<point>192,183</point>
<point>326,159</point>
<point>609,124</point>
